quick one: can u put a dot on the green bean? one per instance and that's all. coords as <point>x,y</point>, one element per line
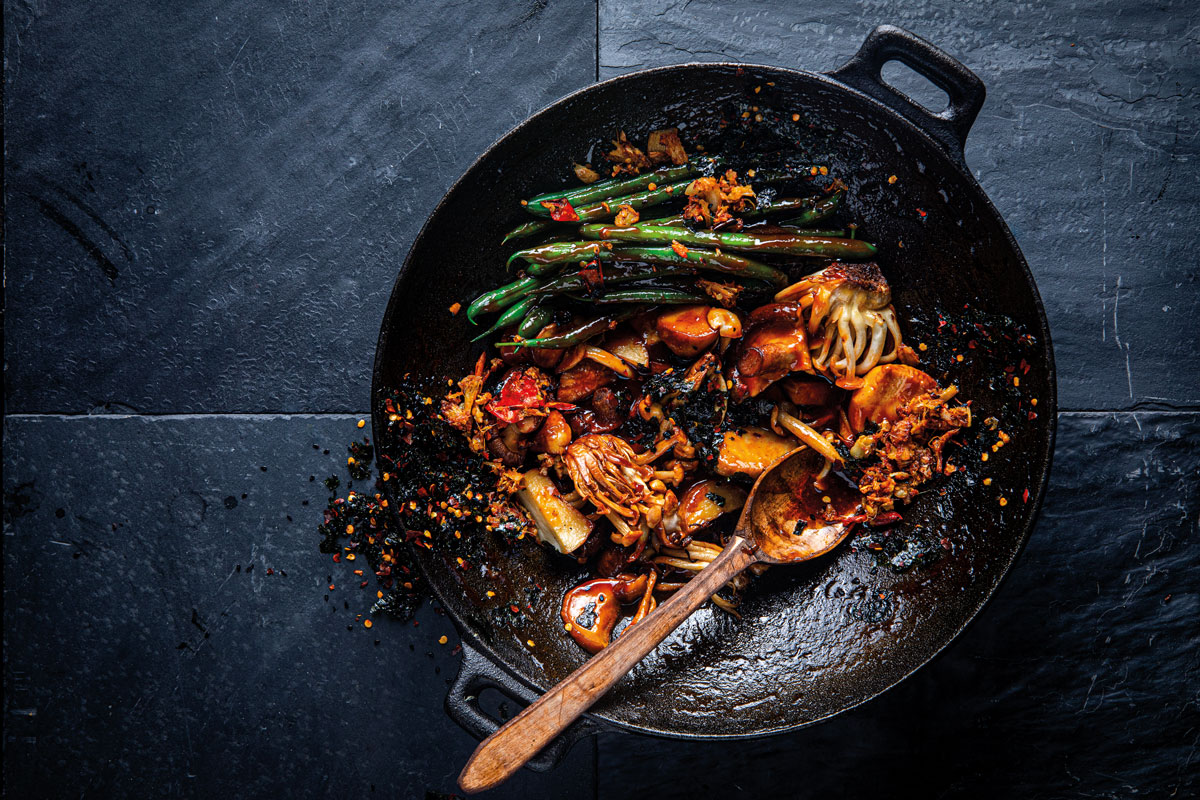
<point>603,190</point>
<point>526,230</point>
<point>783,244</point>
<point>636,201</point>
<point>545,258</point>
<point>728,263</point>
<point>574,282</point>
<point>577,334</point>
<point>509,317</point>
<point>537,318</point>
<point>501,298</point>
<point>657,295</point>
<point>812,209</point>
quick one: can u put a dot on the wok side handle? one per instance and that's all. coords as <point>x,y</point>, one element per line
<point>965,89</point>
<point>475,675</point>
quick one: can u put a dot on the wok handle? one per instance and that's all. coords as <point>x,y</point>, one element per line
<point>965,89</point>
<point>476,674</point>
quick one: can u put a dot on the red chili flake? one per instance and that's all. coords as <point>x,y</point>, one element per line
<point>1024,367</point>
<point>561,210</point>
<point>337,557</point>
<point>1032,415</point>
<point>921,213</point>
<point>515,608</point>
<point>270,571</point>
<point>972,344</point>
<point>945,543</point>
<point>362,585</point>
<point>1025,496</point>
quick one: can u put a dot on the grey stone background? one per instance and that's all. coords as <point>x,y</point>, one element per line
<point>205,206</point>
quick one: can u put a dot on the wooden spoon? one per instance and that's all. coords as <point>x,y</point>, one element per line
<point>776,527</point>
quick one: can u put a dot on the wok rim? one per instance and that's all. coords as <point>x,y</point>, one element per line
<point>1046,457</point>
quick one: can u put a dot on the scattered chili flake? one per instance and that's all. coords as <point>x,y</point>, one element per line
<point>921,213</point>
<point>1025,496</point>
<point>987,481</point>
<point>530,643</point>
<point>892,179</point>
<point>443,640</point>
<point>362,423</point>
<point>795,117</point>
<point>1003,501</point>
<point>455,308</point>
<point>679,249</point>
<point>367,623</point>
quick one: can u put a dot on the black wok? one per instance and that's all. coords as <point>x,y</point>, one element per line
<point>817,639</point>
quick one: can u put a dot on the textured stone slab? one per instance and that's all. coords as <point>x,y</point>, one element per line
<point>206,205</point>
<point>1088,145</point>
<point>169,630</point>
<point>1078,680</point>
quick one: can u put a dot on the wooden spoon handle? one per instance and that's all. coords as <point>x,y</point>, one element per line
<point>507,750</point>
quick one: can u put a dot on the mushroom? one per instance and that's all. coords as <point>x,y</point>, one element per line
<point>558,523</point>
<point>884,392</point>
<point>749,451</point>
<point>690,330</point>
<point>554,435</point>
<point>774,345</point>
<point>590,610</point>
<point>581,380</point>
<point>621,485</point>
<point>851,323</point>
<point>707,500</point>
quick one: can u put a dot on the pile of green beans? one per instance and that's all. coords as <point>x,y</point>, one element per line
<point>654,261</point>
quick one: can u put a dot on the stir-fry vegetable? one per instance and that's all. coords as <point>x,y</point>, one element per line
<point>645,371</point>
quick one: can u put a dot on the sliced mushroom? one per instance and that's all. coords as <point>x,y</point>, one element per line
<point>810,390</point>
<point>885,389</point>
<point>686,330</point>
<point>629,346</point>
<point>751,450</point>
<point>590,611</point>
<point>707,500</point>
<point>581,380</point>
<point>773,346</point>
<point>558,523</point>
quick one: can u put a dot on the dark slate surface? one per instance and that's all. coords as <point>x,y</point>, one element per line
<point>139,660</point>
<point>204,209</point>
<point>1079,680</point>
<point>1089,145</point>
<point>207,203</point>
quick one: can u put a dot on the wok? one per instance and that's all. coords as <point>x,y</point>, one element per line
<point>821,638</point>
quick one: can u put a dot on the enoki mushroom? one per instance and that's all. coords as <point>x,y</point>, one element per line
<point>852,325</point>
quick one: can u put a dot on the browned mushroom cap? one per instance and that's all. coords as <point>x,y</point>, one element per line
<point>590,611</point>
<point>850,321</point>
<point>774,345</point>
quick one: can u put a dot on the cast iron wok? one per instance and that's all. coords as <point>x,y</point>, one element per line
<point>817,639</point>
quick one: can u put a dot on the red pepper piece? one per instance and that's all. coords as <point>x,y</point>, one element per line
<point>561,210</point>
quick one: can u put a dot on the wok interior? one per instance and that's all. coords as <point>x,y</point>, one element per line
<point>815,638</point>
